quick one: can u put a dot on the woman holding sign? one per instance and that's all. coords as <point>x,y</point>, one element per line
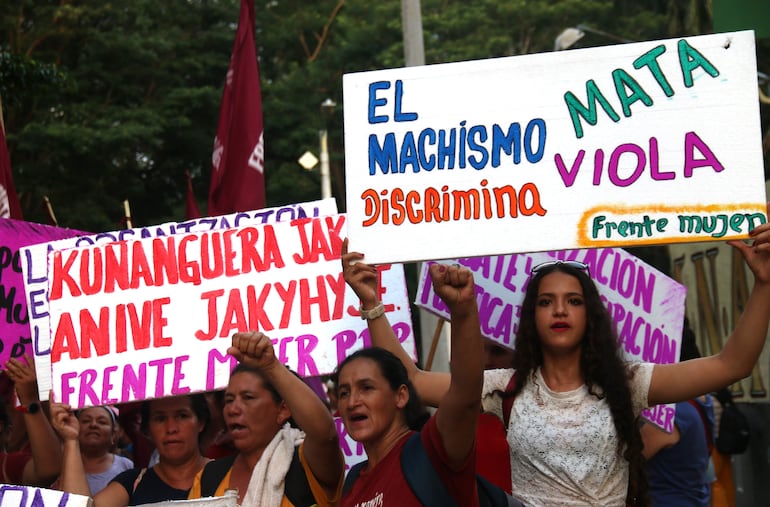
<point>572,428</point>
<point>277,465</point>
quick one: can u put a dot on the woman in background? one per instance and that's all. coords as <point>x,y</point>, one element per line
<point>98,431</point>
<point>174,425</point>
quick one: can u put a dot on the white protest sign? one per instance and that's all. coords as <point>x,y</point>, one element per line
<point>647,307</point>
<point>230,499</point>
<point>14,495</point>
<point>644,143</point>
<point>34,263</point>
<point>153,317</point>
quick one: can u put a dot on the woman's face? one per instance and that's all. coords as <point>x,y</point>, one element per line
<point>560,313</point>
<point>96,428</point>
<point>174,429</point>
<point>367,404</point>
<point>251,414</point>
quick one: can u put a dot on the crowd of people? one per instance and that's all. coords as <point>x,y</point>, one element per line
<point>555,421</point>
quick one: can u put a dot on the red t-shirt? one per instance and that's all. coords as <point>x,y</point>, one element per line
<point>12,466</point>
<point>493,458</point>
<point>385,484</point>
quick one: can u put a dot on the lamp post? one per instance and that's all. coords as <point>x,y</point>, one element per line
<point>327,108</point>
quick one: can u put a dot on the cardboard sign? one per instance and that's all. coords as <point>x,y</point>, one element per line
<point>153,317</point>
<point>15,337</point>
<point>36,276</point>
<point>230,499</point>
<point>636,144</point>
<point>28,496</point>
<point>647,306</point>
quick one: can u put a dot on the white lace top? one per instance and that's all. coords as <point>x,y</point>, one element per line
<point>564,444</point>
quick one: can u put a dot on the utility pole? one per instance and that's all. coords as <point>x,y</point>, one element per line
<point>430,325</point>
<point>411,19</point>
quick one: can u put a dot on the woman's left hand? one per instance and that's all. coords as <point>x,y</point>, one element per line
<point>757,254</point>
<point>24,378</point>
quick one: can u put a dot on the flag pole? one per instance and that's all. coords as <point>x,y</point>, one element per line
<point>2,120</point>
<point>49,209</point>
<point>434,344</point>
<point>128,214</point>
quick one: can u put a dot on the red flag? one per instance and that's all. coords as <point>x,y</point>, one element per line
<point>191,205</point>
<point>237,173</point>
<point>9,201</point>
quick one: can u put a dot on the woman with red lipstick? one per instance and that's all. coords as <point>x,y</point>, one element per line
<point>174,425</point>
<point>572,429</point>
<point>377,403</point>
<point>276,465</point>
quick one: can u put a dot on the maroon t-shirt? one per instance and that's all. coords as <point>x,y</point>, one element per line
<point>12,466</point>
<point>493,458</point>
<point>385,484</point>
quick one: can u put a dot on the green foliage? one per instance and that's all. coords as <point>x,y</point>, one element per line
<point>138,106</point>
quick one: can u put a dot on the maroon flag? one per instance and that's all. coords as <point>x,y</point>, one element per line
<point>237,173</point>
<point>9,201</point>
<point>191,205</point>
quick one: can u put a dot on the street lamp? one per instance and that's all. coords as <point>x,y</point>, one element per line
<point>327,109</point>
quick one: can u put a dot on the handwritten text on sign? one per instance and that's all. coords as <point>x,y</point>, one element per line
<point>644,143</point>
<point>646,305</point>
<point>15,337</point>
<point>27,496</point>
<point>142,319</point>
<point>34,262</point>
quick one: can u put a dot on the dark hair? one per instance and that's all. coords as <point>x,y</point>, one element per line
<point>5,419</point>
<point>198,405</point>
<point>604,372</point>
<point>395,373</point>
<point>277,398</point>
<point>689,349</point>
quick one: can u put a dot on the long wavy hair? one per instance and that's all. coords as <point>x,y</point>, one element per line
<point>395,373</point>
<point>603,370</point>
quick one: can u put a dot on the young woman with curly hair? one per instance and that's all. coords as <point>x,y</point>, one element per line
<point>572,429</point>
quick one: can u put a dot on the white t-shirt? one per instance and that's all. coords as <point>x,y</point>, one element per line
<point>563,444</point>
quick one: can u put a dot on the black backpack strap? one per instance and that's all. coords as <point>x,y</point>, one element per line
<point>352,476</point>
<point>296,487</point>
<point>422,477</point>
<point>213,473</point>
<point>491,494</point>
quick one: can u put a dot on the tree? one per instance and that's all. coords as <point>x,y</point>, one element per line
<point>143,83</point>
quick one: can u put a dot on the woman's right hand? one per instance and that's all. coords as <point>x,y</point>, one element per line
<point>64,421</point>
<point>361,277</point>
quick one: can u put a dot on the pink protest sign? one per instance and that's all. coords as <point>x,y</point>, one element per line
<point>15,335</point>
<point>647,306</point>
<point>153,317</point>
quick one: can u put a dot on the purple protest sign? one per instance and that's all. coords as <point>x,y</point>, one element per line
<point>15,334</point>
